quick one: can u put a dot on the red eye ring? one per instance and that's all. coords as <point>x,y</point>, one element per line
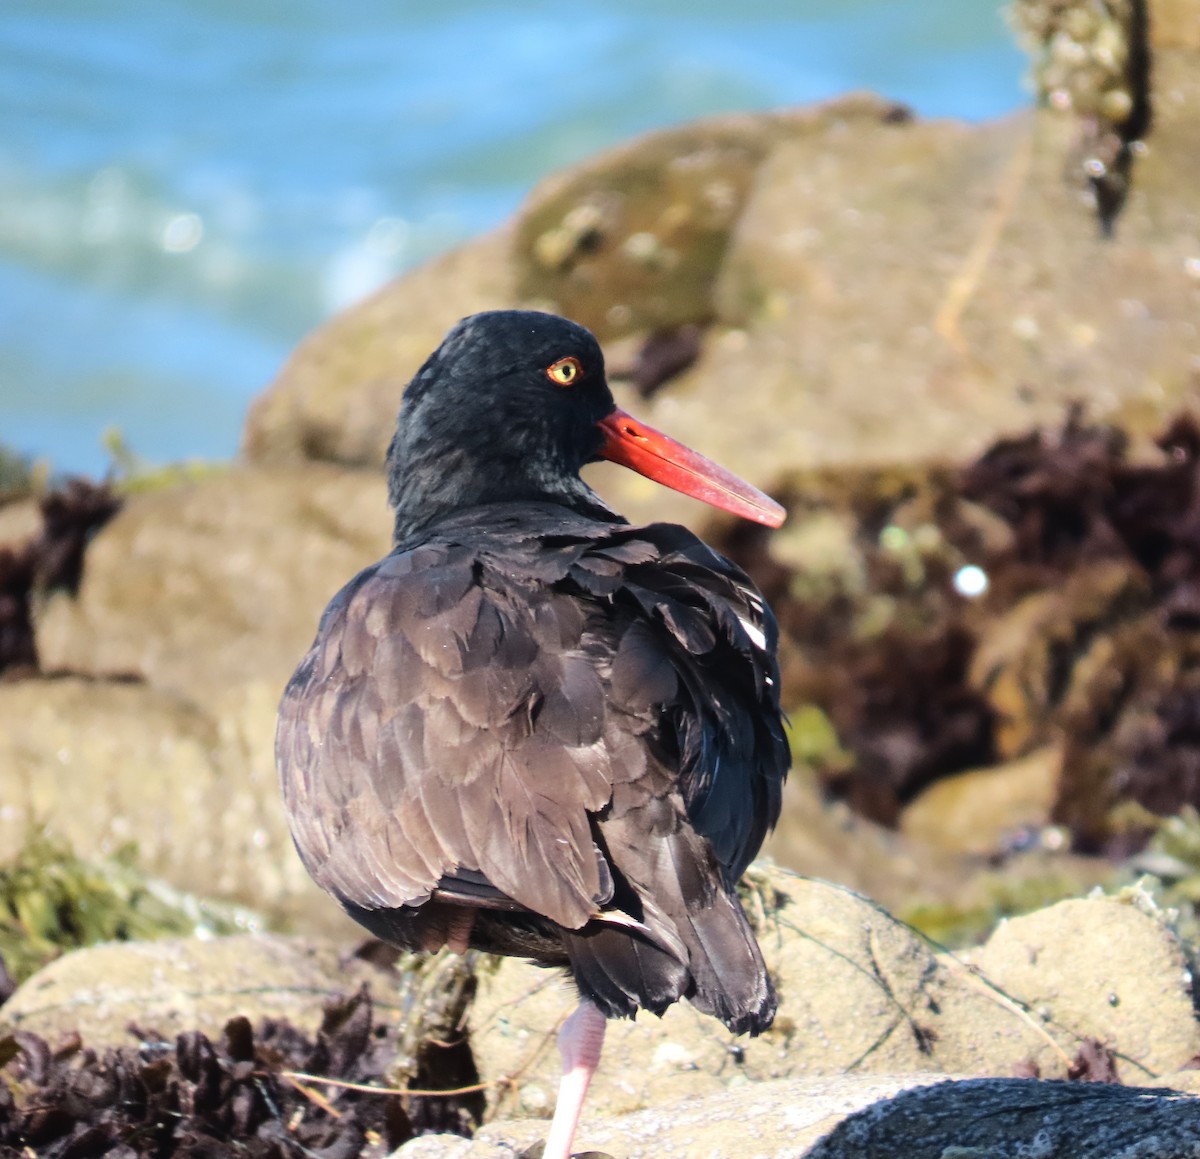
<point>565,372</point>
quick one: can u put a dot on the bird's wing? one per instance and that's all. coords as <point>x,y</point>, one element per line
<point>448,721</point>
<point>699,618</point>
<point>687,650</point>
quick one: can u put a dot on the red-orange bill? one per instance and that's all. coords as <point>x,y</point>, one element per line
<point>641,448</point>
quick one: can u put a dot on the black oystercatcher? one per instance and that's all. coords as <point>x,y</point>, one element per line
<point>533,728</point>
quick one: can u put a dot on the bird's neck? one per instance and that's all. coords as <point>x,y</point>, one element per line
<point>422,492</point>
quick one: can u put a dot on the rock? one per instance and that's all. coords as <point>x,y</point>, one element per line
<point>196,604</point>
<point>105,763</point>
<point>781,1118</point>
<point>874,1117</point>
<point>660,211</point>
<point>219,584</point>
<point>952,264</point>
<point>1059,963</point>
<point>977,811</point>
<point>1020,1117</point>
<point>632,240</point>
<point>443,1147</point>
<point>1095,64</point>
<point>818,838</point>
<point>859,992</point>
<point>1175,24</point>
<point>20,521</point>
<point>180,984</point>
<point>1038,872</point>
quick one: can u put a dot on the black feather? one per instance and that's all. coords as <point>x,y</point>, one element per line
<point>646,710</point>
<point>535,713</point>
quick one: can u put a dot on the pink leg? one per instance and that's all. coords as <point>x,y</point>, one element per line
<point>579,1042</point>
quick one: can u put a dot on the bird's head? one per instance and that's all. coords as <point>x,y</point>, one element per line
<point>511,406</point>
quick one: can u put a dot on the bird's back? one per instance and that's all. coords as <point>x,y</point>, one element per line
<point>568,730</point>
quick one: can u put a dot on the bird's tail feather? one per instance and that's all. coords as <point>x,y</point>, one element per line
<point>622,971</point>
<point>698,943</point>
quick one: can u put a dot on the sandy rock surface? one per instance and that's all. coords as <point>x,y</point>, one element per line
<point>877,1117</point>
<point>214,584</point>
<point>862,993</point>
<point>180,984</point>
<point>1104,969</point>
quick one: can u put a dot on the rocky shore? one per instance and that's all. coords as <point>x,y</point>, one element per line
<point>967,359</point>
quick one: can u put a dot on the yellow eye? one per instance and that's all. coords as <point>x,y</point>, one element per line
<point>565,372</point>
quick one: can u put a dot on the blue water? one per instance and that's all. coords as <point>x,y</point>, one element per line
<point>188,186</point>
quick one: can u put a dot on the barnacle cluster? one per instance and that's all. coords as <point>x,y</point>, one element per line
<point>1092,58</point>
<point>1083,54</point>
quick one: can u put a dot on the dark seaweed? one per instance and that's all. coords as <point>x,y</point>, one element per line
<point>71,515</point>
<point>901,696</point>
<point>196,1098</point>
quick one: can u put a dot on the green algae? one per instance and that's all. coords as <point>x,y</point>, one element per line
<point>814,742</point>
<point>958,926</point>
<point>17,474</point>
<point>1172,859</point>
<point>52,901</point>
<point>131,473</point>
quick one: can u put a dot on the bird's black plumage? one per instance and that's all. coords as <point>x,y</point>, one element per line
<point>535,714</point>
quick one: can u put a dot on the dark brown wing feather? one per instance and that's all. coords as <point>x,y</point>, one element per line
<point>437,725</point>
<point>541,717</point>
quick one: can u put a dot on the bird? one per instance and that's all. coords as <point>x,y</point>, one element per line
<point>536,729</point>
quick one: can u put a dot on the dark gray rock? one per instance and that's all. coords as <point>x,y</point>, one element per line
<point>1020,1119</point>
